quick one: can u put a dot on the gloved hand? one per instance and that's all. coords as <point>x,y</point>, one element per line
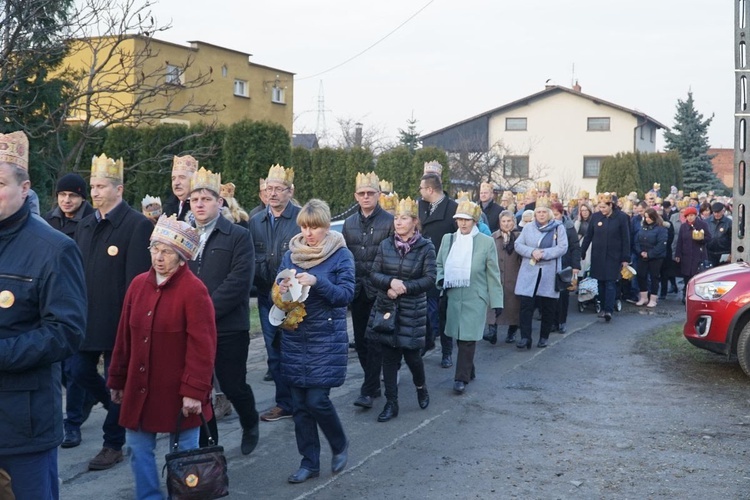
<point>498,311</point>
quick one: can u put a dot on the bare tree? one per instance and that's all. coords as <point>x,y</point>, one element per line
<point>352,133</point>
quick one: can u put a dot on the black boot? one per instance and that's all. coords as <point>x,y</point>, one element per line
<point>423,397</point>
<point>511,336</point>
<point>389,411</point>
<point>490,335</point>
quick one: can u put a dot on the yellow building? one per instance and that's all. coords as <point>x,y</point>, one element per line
<point>142,79</point>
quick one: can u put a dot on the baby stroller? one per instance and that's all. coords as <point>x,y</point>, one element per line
<point>588,295</point>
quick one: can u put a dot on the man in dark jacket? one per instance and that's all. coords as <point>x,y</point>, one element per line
<point>226,263</point>
<point>363,232</point>
<point>489,207</point>
<point>114,244</point>
<point>183,168</point>
<point>263,197</point>
<point>571,258</point>
<point>71,208</point>
<point>721,234</point>
<point>43,302</point>
<point>436,211</point>
<point>271,231</point>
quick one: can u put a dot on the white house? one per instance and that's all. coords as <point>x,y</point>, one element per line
<point>558,134</point>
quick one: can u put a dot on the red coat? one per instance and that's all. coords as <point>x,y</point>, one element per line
<point>165,349</point>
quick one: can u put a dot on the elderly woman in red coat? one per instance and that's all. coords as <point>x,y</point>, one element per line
<point>159,364</point>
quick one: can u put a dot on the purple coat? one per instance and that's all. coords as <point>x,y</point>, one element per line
<point>691,252</point>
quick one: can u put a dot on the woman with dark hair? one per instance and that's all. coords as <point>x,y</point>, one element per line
<point>572,258</point>
<point>651,249</point>
<point>582,225</point>
<point>691,245</point>
<point>509,263</point>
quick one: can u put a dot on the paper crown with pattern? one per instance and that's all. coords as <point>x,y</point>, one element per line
<point>468,210</point>
<point>205,179</point>
<point>151,200</point>
<point>106,168</point>
<point>385,186</point>
<point>573,202</point>
<point>464,195</point>
<point>604,197</point>
<point>277,173</point>
<point>14,148</point>
<point>433,167</point>
<point>693,194</point>
<point>367,181</point>
<point>178,235</point>
<point>184,163</point>
<point>227,190</point>
<point>583,194</point>
<point>388,201</point>
<point>543,202</point>
<point>683,203</point>
<point>407,206</point>
<point>544,186</point>
<point>520,197</point>
<point>486,185</point>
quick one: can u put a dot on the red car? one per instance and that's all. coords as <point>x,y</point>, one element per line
<point>718,311</point>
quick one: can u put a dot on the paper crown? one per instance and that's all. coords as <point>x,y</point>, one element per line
<point>604,197</point>
<point>702,195</point>
<point>543,185</point>
<point>14,148</point>
<point>633,196</point>
<point>178,235</point>
<point>468,210</point>
<point>367,181</point>
<point>683,203</point>
<point>388,202</point>
<point>657,186</point>
<point>486,185</point>
<point>507,195</point>
<point>464,195</point>
<point>407,206</point>
<point>583,194</point>
<point>543,202</point>
<point>205,179</point>
<point>572,202</point>
<point>262,184</point>
<point>520,197</point>
<point>151,200</point>
<point>277,173</point>
<point>184,163</point>
<point>693,194</point>
<point>106,168</point>
<point>658,201</point>
<point>698,234</point>
<point>433,167</point>
<point>227,190</point>
<point>627,205</point>
<point>385,186</point>
<point>554,197</point>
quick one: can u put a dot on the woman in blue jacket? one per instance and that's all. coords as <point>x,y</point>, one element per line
<point>651,249</point>
<point>314,351</point>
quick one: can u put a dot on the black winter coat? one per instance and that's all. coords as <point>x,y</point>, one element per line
<point>610,237</point>
<point>721,236</point>
<point>436,225</point>
<point>114,250</point>
<point>226,266</point>
<point>363,236</point>
<point>572,257</point>
<point>652,239</point>
<point>172,207</point>
<point>271,243</point>
<point>692,252</point>
<point>417,269</point>
<point>492,211</point>
<point>57,219</point>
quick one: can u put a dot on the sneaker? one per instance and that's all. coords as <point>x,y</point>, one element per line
<point>105,459</point>
<point>274,414</point>
<point>222,407</point>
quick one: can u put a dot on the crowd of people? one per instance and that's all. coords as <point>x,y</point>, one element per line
<point>161,295</point>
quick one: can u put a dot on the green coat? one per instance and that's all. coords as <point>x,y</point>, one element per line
<point>467,307</point>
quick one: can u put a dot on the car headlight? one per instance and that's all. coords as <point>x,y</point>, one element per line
<point>713,290</point>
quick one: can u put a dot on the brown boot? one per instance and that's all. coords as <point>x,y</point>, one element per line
<point>105,459</point>
<point>222,406</point>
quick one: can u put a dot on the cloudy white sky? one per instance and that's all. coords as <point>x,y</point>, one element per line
<point>458,58</point>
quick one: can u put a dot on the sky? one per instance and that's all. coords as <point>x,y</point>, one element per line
<point>456,59</point>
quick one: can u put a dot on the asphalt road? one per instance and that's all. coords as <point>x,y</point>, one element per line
<point>595,415</point>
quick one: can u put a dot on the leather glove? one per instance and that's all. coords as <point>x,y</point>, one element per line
<point>498,311</point>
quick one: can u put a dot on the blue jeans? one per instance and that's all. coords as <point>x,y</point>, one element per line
<point>607,295</point>
<point>83,367</point>
<point>436,326</point>
<point>143,461</point>
<point>313,408</point>
<point>33,475</point>
<point>270,332</point>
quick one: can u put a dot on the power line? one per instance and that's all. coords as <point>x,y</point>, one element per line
<point>370,47</point>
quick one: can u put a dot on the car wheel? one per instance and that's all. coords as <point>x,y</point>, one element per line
<point>581,307</point>
<point>743,349</point>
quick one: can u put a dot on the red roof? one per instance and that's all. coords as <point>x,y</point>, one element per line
<point>723,164</point>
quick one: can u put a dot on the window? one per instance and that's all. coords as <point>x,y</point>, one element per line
<point>515,124</point>
<point>642,127</point>
<point>240,88</point>
<point>224,71</point>
<point>653,133</point>
<point>598,124</point>
<point>516,167</point>
<point>277,95</point>
<point>174,75</point>
<point>592,165</point>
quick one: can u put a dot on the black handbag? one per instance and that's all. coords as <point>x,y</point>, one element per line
<point>384,319</point>
<point>196,474</point>
<point>563,279</point>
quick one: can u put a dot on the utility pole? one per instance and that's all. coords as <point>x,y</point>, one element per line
<point>740,194</point>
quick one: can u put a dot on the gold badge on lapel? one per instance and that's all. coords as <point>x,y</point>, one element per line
<point>113,250</point>
<point>6,299</point>
<point>191,480</point>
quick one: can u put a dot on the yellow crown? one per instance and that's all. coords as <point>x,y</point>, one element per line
<point>106,168</point>
<point>184,163</point>
<point>386,187</point>
<point>407,206</point>
<point>277,173</point>
<point>365,181</point>
<point>433,167</point>
<point>464,195</point>
<point>627,205</point>
<point>262,184</point>
<point>227,190</point>
<point>698,234</point>
<point>388,202</point>
<point>693,194</point>
<point>657,186</point>
<point>14,148</point>
<point>604,197</point>
<point>683,203</point>
<point>572,202</point>
<point>468,208</point>
<point>543,202</point>
<point>583,194</point>
<point>520,197</point>
<point>486,185</point>
<point>205,179</point>
<point>507,195</point>
<point>543,185</point>
<point>178,235</point>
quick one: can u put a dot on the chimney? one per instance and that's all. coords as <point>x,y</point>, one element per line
<point>358,135</point>
<point>576,87</point>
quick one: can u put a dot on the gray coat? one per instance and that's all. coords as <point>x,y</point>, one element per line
<point>548,266</point>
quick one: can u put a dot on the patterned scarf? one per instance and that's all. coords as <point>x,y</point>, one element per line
<point>404,247</point>
<point>308,257</point>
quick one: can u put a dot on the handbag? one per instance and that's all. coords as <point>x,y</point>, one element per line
<point>196,474</point>
<point>563,278</point>
<point>384,320</point>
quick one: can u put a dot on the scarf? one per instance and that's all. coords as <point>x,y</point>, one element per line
<point>458,263</point>
<point>308,257</point>
<point>509,241</point>
<point>404,247</point>
<point>550,233</point>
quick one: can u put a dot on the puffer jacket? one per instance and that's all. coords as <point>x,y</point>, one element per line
<point>652,239</point>
<point>417,270</point>
<point>316,353</point>
<point>363,236</point>
<point>271,243</point>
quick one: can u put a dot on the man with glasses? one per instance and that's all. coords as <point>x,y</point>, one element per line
<point>271,230</point>
<point>363,232</point>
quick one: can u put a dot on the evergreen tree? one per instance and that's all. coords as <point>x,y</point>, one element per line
<point>689,138</point>
<point>410,136</point>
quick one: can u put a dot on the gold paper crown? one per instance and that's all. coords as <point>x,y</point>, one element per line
<point>627,205</point>
<point>466,207</point>
<point>277,173</point>
<point>683,203</point>
<point>659,201</point>
<point>508,195</point>
<point>227,190</point>
<point>388,202</point>
<point>386,187</point>
<point>698,234</point>
<point>543,185</point>
<point>14,148</point>
<point>433,167</point>
<point>520,197</point>
<point>178,235</point>
<point>463,195</point>
<point>184,163</point>
<point>262,184</point>
<point>633,196</point>
<point>205,179</point>
<point>542,202</point>
<point>407,206</point>
<point>693,194</point>
<point>295,311</point>
<point>367,181</point>
<point>657,186</point>
<point>572,202</point>
<point>487,185</point>
<point>604,197</point>
<point>106,168</point>
<point>554,197</point>
<point>583,194</point>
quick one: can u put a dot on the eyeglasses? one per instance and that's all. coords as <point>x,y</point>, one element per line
<point>366,194</point>
<point>276,190</point>
<point>164,252</point>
